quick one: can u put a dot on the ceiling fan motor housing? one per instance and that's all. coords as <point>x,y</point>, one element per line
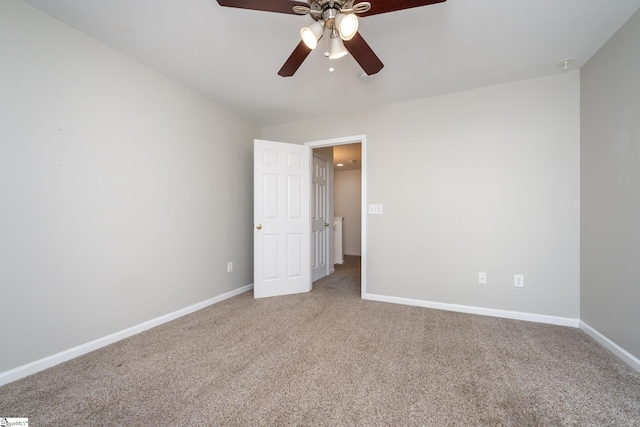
<point>328,9</point>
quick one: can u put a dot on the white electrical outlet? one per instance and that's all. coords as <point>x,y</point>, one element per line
<point>518,280</point>
<point>482,278</point>
<point>229,267</point>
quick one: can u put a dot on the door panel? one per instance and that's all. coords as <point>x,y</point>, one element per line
<point>319,219</point>
<point>281,219</point>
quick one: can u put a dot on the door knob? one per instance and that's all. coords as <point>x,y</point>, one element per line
<point>259,226</point>
<point>326,224</point>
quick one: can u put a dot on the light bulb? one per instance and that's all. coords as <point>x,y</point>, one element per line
<point>311,34</point>
<point>347,25</point>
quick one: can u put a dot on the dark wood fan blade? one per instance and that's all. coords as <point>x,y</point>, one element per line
<point>279,6</point>
<point>361,52</point>
<point>384,6</point>
<point>296,59</point>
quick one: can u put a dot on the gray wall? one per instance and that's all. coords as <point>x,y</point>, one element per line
<point>348,196</point>
<point>123,195</point>
<point>610,189</point>
<point>120,204</point>
<point>482,180</point>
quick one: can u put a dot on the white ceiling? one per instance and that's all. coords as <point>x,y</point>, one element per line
<point>232,56</point>
<point>349,156</point>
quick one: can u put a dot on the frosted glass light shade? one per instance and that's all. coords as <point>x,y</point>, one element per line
<point>347,25</point>
<point>311,34</point>
<point>336,48</point>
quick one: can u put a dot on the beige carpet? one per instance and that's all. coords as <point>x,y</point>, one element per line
<point>329,358</point>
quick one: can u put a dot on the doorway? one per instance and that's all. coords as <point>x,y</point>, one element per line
<point>346,144</point>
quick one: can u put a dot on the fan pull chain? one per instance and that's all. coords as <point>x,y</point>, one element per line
<point>326,50</point>
<point>328,55</point>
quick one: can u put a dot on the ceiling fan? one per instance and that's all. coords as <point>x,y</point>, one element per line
<point>338,17</point>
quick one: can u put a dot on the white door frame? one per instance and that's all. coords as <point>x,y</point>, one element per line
<point>362,139</point>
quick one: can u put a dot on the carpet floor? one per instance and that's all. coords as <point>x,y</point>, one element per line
<point>329,358</point>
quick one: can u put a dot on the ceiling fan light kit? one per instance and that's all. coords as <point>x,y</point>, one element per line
<point>336,47</point>
<point>347,25</point>
<point>312,34</point>
<point>336,16</point>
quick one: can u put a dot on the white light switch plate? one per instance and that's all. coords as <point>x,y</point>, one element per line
<point>375,209</point>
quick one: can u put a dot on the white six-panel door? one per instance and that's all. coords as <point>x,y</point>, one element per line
<point>319,219</point>
<point>281,219</point>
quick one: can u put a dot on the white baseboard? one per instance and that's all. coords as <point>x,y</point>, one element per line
<point>530,317</point>
<point>614,348</point>
<point>47,362</point>
<point>63,356</point>
<point>620,352</point>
